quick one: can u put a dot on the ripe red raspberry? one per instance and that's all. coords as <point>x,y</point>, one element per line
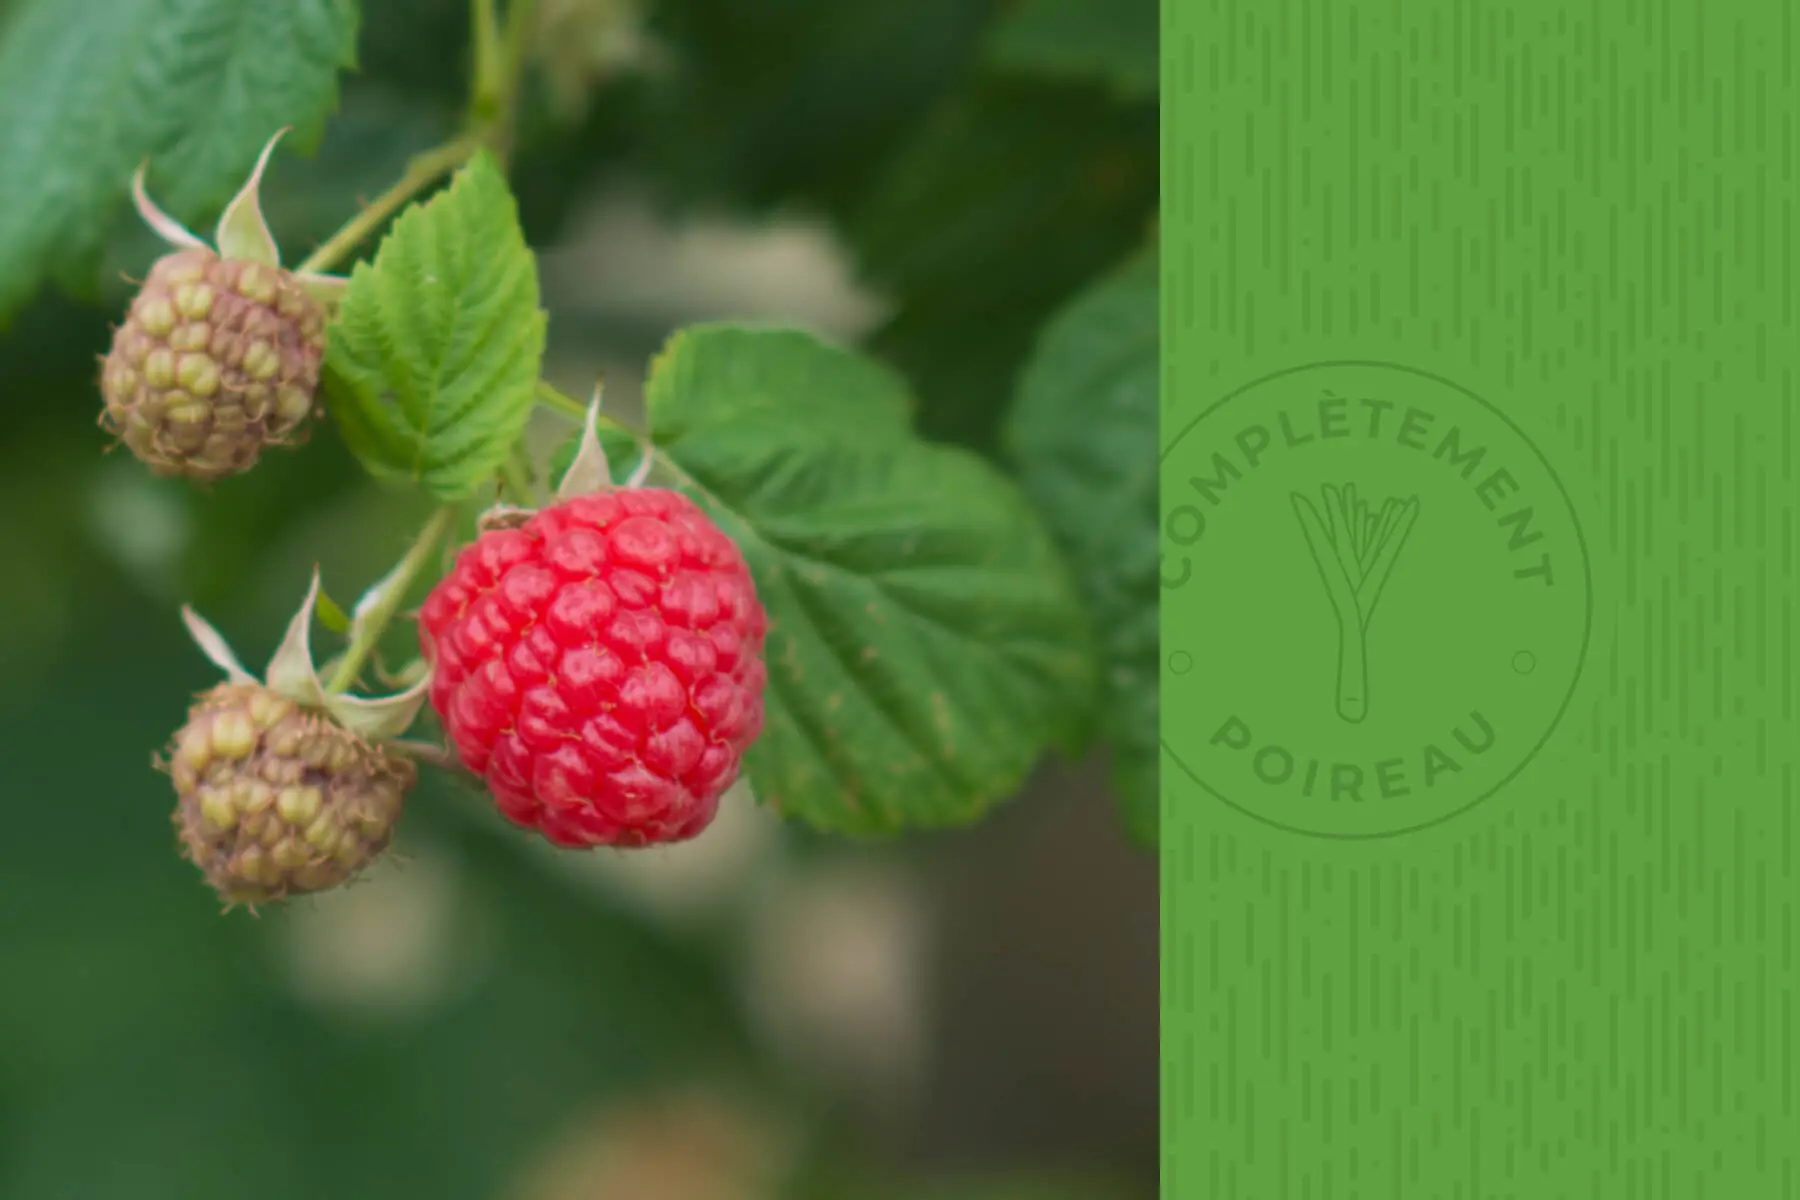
<point>599,666</point>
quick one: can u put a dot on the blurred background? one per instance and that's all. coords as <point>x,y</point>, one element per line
<point>760,1015</point>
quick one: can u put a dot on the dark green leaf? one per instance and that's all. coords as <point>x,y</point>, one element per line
<point>435,354</point>
<point>420,48</point>
<point>1084,438</point>
<point>926,645</point>
<point>1007,203</point>
<point>1112,41</point>
<point>89,91</point>
<point>773,374</point>
<point>776,100</point>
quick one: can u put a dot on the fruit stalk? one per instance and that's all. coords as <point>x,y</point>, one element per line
<point>552,399</point>
<point>372,621</point>
<point>421,173</point>
<point>499,66</point>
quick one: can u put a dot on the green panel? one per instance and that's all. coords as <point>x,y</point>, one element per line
<point>1479,596</point>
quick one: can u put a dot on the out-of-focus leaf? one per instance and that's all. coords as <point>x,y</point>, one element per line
<point>556,164</point>
<point>42,482</point>
<point>1114,42</point>
<point>1008,202</point>
<point>419,48</point>
<point>50,368</point>
<point>91,90</point>
<point>778,101</point>
<point>1083,436</point>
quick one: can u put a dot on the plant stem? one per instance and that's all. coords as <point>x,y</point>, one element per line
<point>574,409</point>
<point>484,90</point>
<point>515,473</point>
<point>521,16</point>
<point>568,406</point>
<point>499,68</point>
<point>373,623</point>
<point>421,173</point>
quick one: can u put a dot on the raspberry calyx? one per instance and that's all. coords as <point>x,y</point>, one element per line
<point>283,788</point>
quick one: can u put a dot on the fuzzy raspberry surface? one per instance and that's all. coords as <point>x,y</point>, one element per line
<point>600,667</point>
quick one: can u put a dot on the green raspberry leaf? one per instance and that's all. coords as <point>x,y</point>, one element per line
<point>1083,434</point>
<point>926,644</point>
<point>1007,202</point>
<point>435,354</point>
<point>90,90</point>
<point>783,375</point>
<point>1111,41</point>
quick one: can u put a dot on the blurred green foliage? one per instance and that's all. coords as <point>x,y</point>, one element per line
<point>148,1049</point>
<point>1087,406</point>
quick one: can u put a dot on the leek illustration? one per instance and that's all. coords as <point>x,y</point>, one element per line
<point>1354,546</point>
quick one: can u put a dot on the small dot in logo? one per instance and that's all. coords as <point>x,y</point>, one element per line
<point>1181,662</point>
<point>1524,662</point>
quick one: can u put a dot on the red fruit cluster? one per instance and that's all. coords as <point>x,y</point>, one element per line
<point>599,666</point>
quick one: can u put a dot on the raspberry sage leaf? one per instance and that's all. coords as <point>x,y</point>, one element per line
<point>1083,435</point>
<point>926,645</point>
<point>434,358</point>
<point>196,87</point>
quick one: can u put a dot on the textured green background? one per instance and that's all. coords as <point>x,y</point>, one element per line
<point>1583,987</point>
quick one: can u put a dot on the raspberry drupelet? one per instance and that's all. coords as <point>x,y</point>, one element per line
<point>599,665</point>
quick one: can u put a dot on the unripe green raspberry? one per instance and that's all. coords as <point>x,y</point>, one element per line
<point>217,359</point>
<point>277,799</point>
<point>219,355</point>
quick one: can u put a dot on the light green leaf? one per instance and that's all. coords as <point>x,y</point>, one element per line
<point>1113,41</point>
<point>435,354</point>
<point>777,373</point>
<point>92,88</point>
<point>926,645</point>
<point>1084,437</point>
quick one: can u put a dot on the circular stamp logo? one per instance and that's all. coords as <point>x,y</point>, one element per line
<point>1376,599</point>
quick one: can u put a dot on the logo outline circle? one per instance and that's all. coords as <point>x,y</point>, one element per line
<point>1582,554</point>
